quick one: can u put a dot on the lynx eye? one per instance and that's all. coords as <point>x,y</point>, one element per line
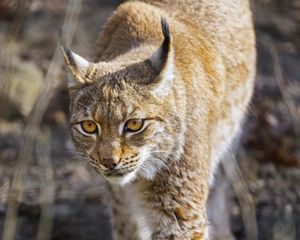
<point>134,125</point>
<point>88,126</point>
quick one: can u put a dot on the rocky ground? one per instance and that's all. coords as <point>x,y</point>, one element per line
<point>257,193</point>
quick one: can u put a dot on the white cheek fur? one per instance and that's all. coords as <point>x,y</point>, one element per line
<point>121,128</point>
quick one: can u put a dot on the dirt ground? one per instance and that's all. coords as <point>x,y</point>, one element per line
<point>257,195</point>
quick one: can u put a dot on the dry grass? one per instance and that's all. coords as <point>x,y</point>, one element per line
<point>287,99</point>
<point>47,186</point>
<point>285,229</point>
<point>245,199</point>
<point>33,128</point>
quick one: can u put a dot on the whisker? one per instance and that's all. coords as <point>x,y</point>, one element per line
<point>148,168</point>
<point>164,164</point>
<point>93,97</point>
<point>82,104</point>
<point>159,151</point>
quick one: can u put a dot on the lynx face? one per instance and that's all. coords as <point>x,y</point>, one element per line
<point>123,130</point>
<point>123,116</point>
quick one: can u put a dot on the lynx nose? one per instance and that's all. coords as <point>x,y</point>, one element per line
<point>110,163</point>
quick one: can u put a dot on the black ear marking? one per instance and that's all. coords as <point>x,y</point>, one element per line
<point>159,59</point>
<point>165,47</point>
<point>166,32</point>
<point>68,56</point>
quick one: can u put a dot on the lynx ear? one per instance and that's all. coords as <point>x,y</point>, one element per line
<point>78,67</point>
<point>162,61</point>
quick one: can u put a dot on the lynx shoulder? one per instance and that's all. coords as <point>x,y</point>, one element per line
<point>160,105</point>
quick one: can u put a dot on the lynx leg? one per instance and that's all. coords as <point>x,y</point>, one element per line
<point>218,208</point>
<point>123,226</point>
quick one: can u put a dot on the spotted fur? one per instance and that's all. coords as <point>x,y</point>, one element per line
<point>185,66</point>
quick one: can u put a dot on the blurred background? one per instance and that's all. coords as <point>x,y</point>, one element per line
<point>46,192</point>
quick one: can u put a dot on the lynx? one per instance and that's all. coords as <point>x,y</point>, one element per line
<point>158,108</point>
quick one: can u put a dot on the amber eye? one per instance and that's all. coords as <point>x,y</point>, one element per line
<point>134,125</point>
<point>89,127</point>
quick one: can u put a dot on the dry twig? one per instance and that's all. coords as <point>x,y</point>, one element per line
<point>47,188</point>
<point>285,95</point>
<point>33,127</point>
<point>245,199</point>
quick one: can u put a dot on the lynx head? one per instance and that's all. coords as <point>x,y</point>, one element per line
<point>124,119</point>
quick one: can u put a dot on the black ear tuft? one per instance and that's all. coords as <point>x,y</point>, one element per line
<point>166,32</point>
<point>158,60</point>
<point>68,56</point>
